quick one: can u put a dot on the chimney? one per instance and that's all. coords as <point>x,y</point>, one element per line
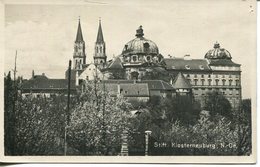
<point>32,73</point>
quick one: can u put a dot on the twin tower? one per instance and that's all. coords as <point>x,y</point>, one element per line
<point>79,55</point>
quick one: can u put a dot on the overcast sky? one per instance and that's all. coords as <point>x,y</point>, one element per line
<point>44,34</point>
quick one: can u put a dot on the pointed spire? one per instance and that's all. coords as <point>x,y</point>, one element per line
<point>181,82</point>
<point>79,37</point>
<point>100,38</point>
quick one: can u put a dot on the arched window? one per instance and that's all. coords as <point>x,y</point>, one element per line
<point>202,82</point>
<point>224,82</point>
<point>230,82</point>
<point>100,49</point>
<point>217,82</point>
<point>209,82</point>
<point>97,49</point>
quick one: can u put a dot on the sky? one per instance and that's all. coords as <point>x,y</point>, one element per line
<point>44,33</point>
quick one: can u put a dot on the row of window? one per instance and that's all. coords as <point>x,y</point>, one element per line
<point>209,76</point>
<point>100,49</point>
<point>223,91</point>
<point>217,83</point>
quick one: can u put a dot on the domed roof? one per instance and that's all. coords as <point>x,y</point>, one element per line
<point>140,45</point>
<point>218,53</point>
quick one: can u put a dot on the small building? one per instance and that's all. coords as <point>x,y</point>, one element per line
<point>41,85</point>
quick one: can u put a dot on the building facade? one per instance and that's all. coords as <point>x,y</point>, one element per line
<point>141,65</point>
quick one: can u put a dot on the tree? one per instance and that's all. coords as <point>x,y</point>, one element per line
<point>216,103</point>
<point>39,128</point>
<point>97,121</point>
<point>8,114</point>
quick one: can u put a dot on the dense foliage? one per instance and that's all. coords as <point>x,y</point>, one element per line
<point>98,121</point>
<point>36,125</point>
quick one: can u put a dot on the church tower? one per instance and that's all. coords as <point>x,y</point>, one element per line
<point>79,56</point>
<point>100,48</point>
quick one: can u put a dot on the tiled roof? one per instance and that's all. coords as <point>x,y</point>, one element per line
<point>158,85</point>
<point>128,89</point>
<point>223,62</point>
<point>182,64</point>
<point>45,83</point>
<point>152,84</point>
<point>180,82</point>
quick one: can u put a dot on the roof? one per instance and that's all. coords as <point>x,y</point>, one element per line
<point>180,82</point>
<point>128,89</point>
<point>190,64</point>
<point>116,64</point>
<point>79,37</point>
<point>45,83</point>
<point>152,84</point>
<point>223,62</point>
<point>140,45</point>
<point>218,53</point>
<point>158,85</point>
<point>100,38</point>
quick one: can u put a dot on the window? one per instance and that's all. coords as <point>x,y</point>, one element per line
<point>230,82</point>
<point>187,67</point>
<point>216,75</point>
<point>126,47</point>
<point>195,81</point>
<point>100,49</point>
<point>202,82</point>
<point>134,58</point>
<point>148,58</point>
<point>125,92</point>
<point>237,91</point>
<point>209,82</point>
<point>230,76</point>
<point>97,49</point>
<point>202,76</point>
<point>146,45</point>
<point>223,76</point>
<point>224,82</point>
<point>209,75</point>
<point>86,77</point>
<point>195,76</point>
<point>217,82</point>
<point>188,75</point>
<point>237,76</point>
<point>121,90</point>
<point>237,82</point>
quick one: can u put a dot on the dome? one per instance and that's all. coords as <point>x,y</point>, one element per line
<point>218,53</point>
<point>140,45</point>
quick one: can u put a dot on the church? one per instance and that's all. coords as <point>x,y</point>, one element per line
<point>140,71</point>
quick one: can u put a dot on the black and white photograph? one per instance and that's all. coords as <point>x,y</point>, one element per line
<point>140,81</point>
